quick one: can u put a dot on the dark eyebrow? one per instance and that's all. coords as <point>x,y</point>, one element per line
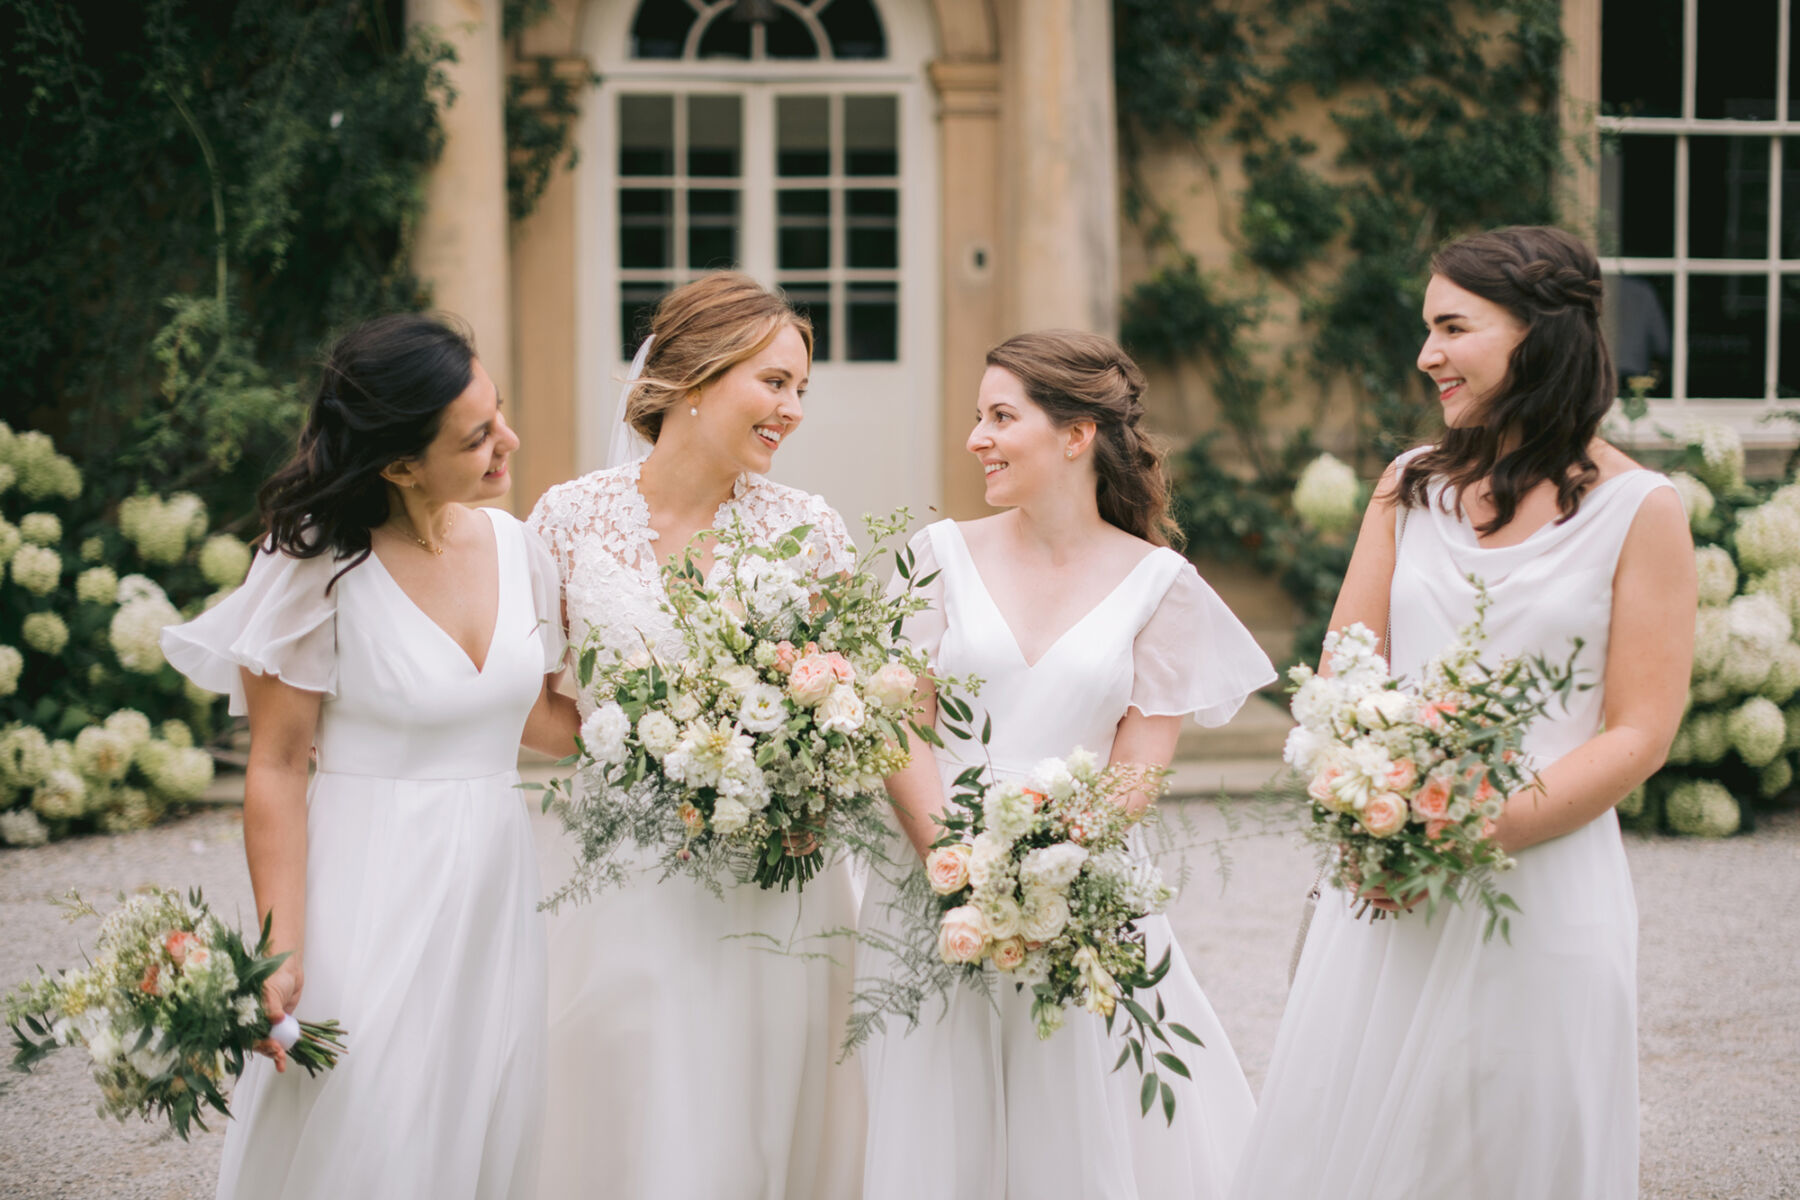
<point>1442,317</point>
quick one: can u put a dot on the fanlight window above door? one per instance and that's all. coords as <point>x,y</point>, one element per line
<point>758,30</point>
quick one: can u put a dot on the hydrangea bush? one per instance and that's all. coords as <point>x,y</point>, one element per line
<point>97,731</point>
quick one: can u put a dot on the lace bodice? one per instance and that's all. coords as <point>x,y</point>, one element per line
<point>597,529</point>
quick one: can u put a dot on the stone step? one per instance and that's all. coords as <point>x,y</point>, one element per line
<point>1258,731</point>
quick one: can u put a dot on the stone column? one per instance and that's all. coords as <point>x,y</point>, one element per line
<point>1061,165</point>
<point>460,249</point>
<point>1580,204</point>
<point>545,401</point>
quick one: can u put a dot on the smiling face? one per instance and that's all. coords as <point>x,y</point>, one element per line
<point>746,413</point>
<point>1468,347</point>
<point>466,462</point>
<point>1020,448</point>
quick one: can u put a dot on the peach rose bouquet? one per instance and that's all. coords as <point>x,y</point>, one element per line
<point>756,748</point>
<point>168,1006</point>
<point>1405,780</point>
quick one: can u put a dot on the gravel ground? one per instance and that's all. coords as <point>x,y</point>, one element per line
<point>1719,1022</point>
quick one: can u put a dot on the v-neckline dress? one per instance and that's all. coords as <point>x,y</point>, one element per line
<point>422,931</point>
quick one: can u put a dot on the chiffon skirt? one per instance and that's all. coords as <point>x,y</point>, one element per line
<point>1415,1059</point>
<point>423,939</point>
<point>696,1041</point>
<point>972,1105</point>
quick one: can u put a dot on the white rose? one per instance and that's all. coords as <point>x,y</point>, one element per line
<point>604,732</point>
<point>842,711</point>
<point>684,707</point>
<point>1377,710</point>
<point>737,678</point>
<point>892,686</point>
<point>657,732</point>
<point>1051,778</point>
<point>1003,917</point>
<point>729,816</point>
<point>962,935</point>
<point>1045,915</point>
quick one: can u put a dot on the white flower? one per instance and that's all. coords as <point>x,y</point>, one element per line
<point>1046,914</point>
<point>176,772</point>
<point>1757,730</point>
<point>44,632</point>
<point>176,732</point>
<point>103,756</point>
<point>737,678</point>
<point>657,732</point>
<point>41,528</point>
<point>1327,496</point>
<point>1303,748</point>
<point>603,733</point>
<point>892,687</point>
<point>10,541</point>
<point>149,1062</point>
<point>93,549</point>
<point>1378,710</point>
<point>25,756</point>
<point>21,827</point>
<point>1768,536</point>
<point>1718,574</point>
<point>129,724</point>
<point>61,797</point>
<point>1003,917</point>
<point>762,710</point>
<point>37,569</point>
<point>842,711</point>
<point>104,1046</point>
<point>12,663</point>
<point>248,1011</point>
<point>224,560</point>
<point>1695,497</point>
<point>1009,814</point>
<point>97,585</point>
<point>1051,778</point>
<point>140,587</point>
<point>1721,464</point>
<point>1759,620</point>
<point>1052,866</point>
<point>136,630</point>
<point>684,707</point>
<point>729,816</point>
<point>990,860</point>
<point>1082,763</point>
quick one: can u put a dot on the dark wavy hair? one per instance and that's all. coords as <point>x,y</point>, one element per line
<point>1075,376</point>
<point>1559,380</point>
<point>382,393</point>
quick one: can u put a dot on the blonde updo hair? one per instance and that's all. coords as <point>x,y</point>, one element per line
<point>702,330</point>
<point>1075,376</point>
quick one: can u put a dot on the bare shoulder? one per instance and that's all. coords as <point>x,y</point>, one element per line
<point>1611,461</point>
<point>982,531</point>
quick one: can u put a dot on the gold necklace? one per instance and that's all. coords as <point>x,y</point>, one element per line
<point>413,531</point>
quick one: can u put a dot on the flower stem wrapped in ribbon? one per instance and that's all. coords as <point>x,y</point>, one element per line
<point>169,1006</point>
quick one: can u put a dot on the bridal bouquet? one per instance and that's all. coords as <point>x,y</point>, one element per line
<point>1405,781</point>
<point>1037,879</point>
<point>169,1006</point>
<point>761,746</point>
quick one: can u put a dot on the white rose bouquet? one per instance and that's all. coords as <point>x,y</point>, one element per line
<point>1038,879</point>
<point>170,1004</point>
<point>1405,781</point>
<point>761,748</point>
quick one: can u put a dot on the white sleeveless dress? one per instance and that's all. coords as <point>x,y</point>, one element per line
<point>690,1060</point>
<point>975,1106</point>
<point>1415,1059</point>
<point>422,931</point>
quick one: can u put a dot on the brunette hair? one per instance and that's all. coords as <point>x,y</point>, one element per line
<point>1559,380</point>
<point>1075,376</point>
<point>702,330</point>
<point>383,390</point>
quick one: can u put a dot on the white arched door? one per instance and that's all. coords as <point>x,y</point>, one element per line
<point>791,139</point>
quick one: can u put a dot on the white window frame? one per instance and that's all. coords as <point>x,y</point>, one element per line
<point>1749,415</point>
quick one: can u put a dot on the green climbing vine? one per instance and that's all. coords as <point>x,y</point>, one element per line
<point>1446,119</point>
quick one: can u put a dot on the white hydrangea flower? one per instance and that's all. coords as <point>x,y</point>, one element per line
<point>1696,498</point>
<point>44,632</point>
<point>1768,536</point>
<point>62,796</point>
<point>1721,456</point>
<point>1760,621</point>
<point>10,540</point>
<point>140,587</point>
<point>24,756</point>
<point>129,724</point>
<point>37,569</point>
<point>41,528</point>
<point>1328,496</point>
<point>136,630</point>
<point>1757,730</point>
<point>125,809</point>
<point>93,549</point>
<point>176,732</point>
<point>41,471</point>
<point>1783,679</point>
<point>21,827</point>
<point>191,509</point>
<point>1718,574</point>
<point>604,732</point>
<point>1712,638</point>
<point>8,477</point>
<point>12,663</point>
<point>103,756</point>
<point>1707,740</point>
<point>1702,808</point>
<point>179,773</point>
<point>97,585</point>
<point>224,560</point>
<point>1783,583</point>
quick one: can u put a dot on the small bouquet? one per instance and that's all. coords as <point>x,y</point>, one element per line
<point>1038,880</point>
<point>170,1005</point>
<point>1405,782</point>
<point>762,745</point>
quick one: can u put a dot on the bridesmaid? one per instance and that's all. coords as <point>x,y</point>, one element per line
<point>1416,1058</point>
<point>402,640</point>
<point>1087,630</point>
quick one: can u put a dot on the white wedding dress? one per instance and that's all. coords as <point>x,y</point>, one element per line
<point>694,1041</point>
<point>1416,1059</point>
<point>974,1106</point>
<point>422,931</point>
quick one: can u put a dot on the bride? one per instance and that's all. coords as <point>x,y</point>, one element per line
<point>1087,630</point>
<point>690,1055</point>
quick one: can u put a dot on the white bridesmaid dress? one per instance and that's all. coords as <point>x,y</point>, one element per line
<point>695,1040</point>
<point>974,1106</point>
<point>1416,1059</point>
<point>422,934</point>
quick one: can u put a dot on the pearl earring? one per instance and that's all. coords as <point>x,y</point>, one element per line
<point>1068,454</point>
<point>693,410</point>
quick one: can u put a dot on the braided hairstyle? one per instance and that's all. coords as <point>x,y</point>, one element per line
<point>1559,381</point>
<point>382,395</point>
<point>1075,376</point>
